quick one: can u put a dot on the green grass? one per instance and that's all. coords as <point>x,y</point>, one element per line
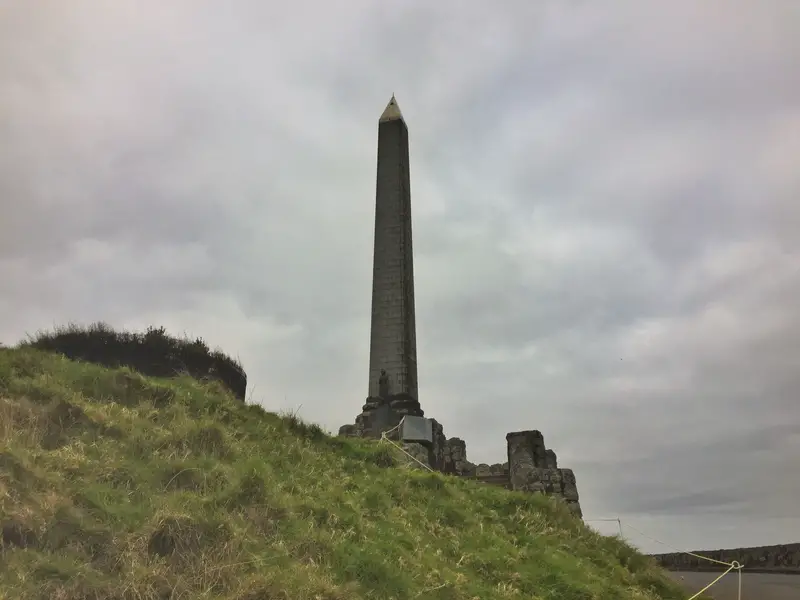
<point>117,486</point>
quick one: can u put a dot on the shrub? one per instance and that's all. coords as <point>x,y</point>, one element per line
<point>153,353</point>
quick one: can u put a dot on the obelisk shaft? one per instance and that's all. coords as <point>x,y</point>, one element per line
<point>393,343</point>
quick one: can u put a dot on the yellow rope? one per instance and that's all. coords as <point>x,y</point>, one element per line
<point>731,565</point>
<point>403,450</point>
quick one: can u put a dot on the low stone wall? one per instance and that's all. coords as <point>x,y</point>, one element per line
<point>531,467</point>
<point>784,558</point>
<point>501,480</point>
<point>455,461</point>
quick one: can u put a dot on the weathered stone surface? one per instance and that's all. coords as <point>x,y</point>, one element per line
<point>404,404</point>
<point>455,448</point>
<point>420,452</point>
<point>377,415</point>
<point>416,429</point>
<point>575,507</point>
<point>482,470</point>
<point>532,469</point>
<point>349,431</point>
<point>455,458</point>
<point>439,447</point>
<point>498,480</point>
<point>382,419</point>
<point>569,486</point>
<point>553,482</point>
<point>497,469</point>
<point>525,448</point>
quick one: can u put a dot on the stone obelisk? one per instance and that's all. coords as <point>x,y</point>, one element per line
<point>393,341</point>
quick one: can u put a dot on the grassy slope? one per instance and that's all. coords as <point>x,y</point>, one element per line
<point>113,485</point>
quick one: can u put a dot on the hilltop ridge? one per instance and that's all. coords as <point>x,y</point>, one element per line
<point>114,485</point>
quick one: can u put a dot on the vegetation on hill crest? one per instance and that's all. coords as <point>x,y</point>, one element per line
<point>118,486</point>
<point>153,352</point>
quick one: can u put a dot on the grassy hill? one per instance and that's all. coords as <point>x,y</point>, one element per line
<point>118,486</point>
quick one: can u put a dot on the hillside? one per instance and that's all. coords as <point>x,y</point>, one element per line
<point>118,486</point>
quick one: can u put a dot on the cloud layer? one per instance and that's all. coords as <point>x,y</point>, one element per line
<point>605,220</point>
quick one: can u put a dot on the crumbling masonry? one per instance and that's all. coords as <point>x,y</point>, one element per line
<point>392,403</point>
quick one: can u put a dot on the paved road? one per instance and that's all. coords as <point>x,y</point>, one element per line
<point>755,586</point>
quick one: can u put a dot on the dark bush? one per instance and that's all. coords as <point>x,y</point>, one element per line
<point>153,353</point>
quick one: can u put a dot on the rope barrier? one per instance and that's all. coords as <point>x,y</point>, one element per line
<point>617,521</point>
<point>652,539</point>
<point>731,565</point>
<point>403,450</point>
<point>734,565</point>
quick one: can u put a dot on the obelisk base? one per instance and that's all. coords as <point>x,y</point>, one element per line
<point>382,414</point>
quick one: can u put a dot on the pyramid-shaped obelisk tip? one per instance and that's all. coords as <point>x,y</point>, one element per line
<point>392,112</point>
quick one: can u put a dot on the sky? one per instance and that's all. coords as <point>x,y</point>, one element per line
<point>604,208</point>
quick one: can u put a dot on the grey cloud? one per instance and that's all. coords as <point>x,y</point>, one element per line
<point>704,478</point>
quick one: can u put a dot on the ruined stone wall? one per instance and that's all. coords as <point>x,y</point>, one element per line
<point>534,468</point>
<point>456,463</point>
<point>432,455</point>
<point>439,447</point>
<point>419,452</point>
<point>531,467</point>
<point>455,458</point>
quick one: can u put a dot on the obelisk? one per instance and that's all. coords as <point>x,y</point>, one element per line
<point>393,339</point>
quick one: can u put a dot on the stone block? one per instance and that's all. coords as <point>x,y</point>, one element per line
<point>570,493</point>
<point>559,483</point>
<point>575,507</point>
<point>537,479</point>
<point>439,447</point>
<point>349,431</point>
<point>416,429</point>
<point>525,449</point>
<point>497,469</point>
<point>381,419</point>
<point>482,470</point>
<point>569,485</point>
<point>550,459</point>
<point>419,452</point>
<point>455,458</point>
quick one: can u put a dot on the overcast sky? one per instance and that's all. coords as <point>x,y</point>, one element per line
<point>605,203</point>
